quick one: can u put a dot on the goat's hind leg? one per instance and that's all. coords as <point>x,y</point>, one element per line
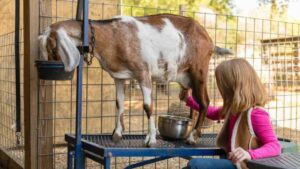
<point>203,104</point>
<point>194,114</point>
<point>117,133</point>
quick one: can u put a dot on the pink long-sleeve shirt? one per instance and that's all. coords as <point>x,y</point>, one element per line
<point>261,125</point>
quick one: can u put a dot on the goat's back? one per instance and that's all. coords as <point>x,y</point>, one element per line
<point>166,43</point>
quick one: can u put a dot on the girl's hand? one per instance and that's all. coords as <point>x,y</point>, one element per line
<point>184,94</point>
<point>239,155</point>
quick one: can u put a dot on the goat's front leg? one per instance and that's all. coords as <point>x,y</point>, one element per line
<point>148,108</point>
<point>117,134</point>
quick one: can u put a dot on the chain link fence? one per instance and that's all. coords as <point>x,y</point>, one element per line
<point>10,142</point>
<point>272,47</point>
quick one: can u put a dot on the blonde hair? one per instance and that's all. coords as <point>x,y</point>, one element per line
<point>239,86</point>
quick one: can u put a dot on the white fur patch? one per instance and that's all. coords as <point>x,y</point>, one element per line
<point>119,127</point>
<point>125,74</point>
<point>166,46</point>
<point>67,50</point>
<point>151,136</point>
<point>120,100</point>
<point>191,138</point>
<point>152,128</point>
<point>147,95</point>
<point>43,42</point>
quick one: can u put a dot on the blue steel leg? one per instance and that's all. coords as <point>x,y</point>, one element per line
<point>79,164</point>
<point>106,163</point>
<point>79,157</point>
<point>83,160</point>
<point>70,158</point>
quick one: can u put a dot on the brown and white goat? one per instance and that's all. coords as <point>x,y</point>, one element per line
<point>152,48</point>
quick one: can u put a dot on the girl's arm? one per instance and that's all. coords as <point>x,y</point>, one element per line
<point>264,132</point>
<point>212,112</point>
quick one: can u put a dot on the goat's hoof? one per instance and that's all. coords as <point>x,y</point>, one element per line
<point>191,142</point>
<point>151,144</point>
<point>157,132</point>
<point>191,139</point>
<point>116,137</point>
<point>150,141</point>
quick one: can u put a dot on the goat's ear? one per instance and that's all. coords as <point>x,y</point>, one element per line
<point>42,40</point>
<point>67,50</point>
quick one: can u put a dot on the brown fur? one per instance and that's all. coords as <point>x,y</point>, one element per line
<point>122,52</point>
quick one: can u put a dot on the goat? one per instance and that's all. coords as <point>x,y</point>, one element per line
<point>161,47</point>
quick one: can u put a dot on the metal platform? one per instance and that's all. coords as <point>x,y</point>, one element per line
<point>284,161</point>
<point>101,148</point>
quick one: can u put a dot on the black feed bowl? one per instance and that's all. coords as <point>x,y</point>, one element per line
<point>52,70</point>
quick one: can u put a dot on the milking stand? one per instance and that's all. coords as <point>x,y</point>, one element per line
<point>101,149</point>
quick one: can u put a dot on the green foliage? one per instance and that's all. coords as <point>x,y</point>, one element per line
<point>172,6</point>
<point>221,6</point>
<point>221,28</point>
<point>277,8</point>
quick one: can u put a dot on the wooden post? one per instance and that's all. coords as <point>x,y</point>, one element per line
<point>31,32</point>
<point>45,126</point>
<point>45,113</point>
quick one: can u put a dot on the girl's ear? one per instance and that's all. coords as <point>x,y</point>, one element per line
<point>67,50</point>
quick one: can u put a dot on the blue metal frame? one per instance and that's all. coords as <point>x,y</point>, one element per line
<point>79,155</point>
<point>103,154</point>
<point>85,25</point>
<point>106,164</point>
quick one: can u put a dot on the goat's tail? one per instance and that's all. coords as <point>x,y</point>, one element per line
<point>222,51</point>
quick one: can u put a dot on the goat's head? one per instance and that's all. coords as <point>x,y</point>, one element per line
<point>57,45</point>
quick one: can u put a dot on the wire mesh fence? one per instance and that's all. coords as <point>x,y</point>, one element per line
<point>9,141</point>
<point>272,48</point>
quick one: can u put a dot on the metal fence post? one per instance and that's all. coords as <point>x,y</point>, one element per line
<point>17,70</point>
<point>182,9</point>
<point>79,156</point>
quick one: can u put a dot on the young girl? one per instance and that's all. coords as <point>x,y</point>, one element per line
<point>247,131</point>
